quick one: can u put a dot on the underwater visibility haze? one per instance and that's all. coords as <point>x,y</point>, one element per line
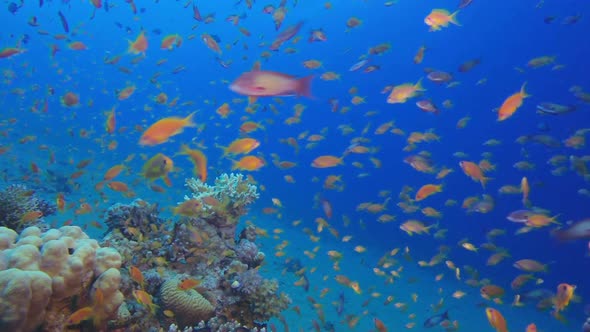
<point>294,165</point>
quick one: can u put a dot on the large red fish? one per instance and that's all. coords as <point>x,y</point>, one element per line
<point>262,83</point>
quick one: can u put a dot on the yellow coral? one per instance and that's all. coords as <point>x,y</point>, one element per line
<point>189,306</point>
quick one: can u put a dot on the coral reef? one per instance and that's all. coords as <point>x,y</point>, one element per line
<point>262,303</point>
<point>20,207</point>
<point>189,306</point>
<point>224,202</point>
<point>133,219</point>
<point>229,293</point>
<point>46,276</point>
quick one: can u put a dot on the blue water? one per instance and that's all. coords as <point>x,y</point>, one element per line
<point>504,34</point>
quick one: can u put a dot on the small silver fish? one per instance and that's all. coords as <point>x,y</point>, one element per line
<point>554,109</point>
<point>520,216</point>
<point>358,65</point>
<point>464,3</point>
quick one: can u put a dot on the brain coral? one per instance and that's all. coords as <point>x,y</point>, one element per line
<point>41,272</point>
<point>189,306</point>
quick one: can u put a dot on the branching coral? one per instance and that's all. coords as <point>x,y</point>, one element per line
<point>233,187</point>
<point>225,201</point>
<point>20,207</point>
<point>51,274</point>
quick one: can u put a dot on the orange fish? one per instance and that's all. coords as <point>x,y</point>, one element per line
<point>491,292</point>
<point>77,46</point>
<point>472,170</point>
<point>240,146</point>
<point>248,163</point>
<point>565,292</point>
<point>531,328</point>
<point>419,55</point>
<point>199,161</point>
<point>426,191</point>
<point>188,284</point>
<point>189,208</point>
<point>249,126</point>
<point>163,129</point>
<point>30,216</point>
<point>60,201</point>
<point>401,93</point>
<point>126,92</point>
<point>379,325</point>
<point>327,207</point>
<point>211,43</point>
<point>171,41</point>
<point>10,51</point>
<point>223,110</point>
<point>111,122</point>
<point>112,145</point>
<point>496,320</point>
<point>34,168</point>
<point>511,104</point>
<point>525,189</point>
<point>96,3</point>
<point>136,275</point>
<point>326,161</point>
<point>112,172</point>
<point>83,209</point>
<point>144,299</point>
<point>440,18</point>
<point>139,46</point>
<point>118,186</point>
<point>80,315</point>
<point>70,99</point>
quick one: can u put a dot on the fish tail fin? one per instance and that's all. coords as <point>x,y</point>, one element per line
<point>304,86</point>
<point>183,150</point>
<point>453,18</point>
<point>189,120</point>
<point>234,164</point>
<point>224,148</point>
<point>523,92</point>
<point>418,85</point>
<point>445,315</point>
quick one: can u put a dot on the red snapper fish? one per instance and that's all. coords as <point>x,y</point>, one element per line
<point>263,83</point>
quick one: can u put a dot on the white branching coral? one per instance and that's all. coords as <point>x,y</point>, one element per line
<point>234,188</point>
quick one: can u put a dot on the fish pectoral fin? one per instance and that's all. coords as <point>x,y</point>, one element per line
<point>167,180</point>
